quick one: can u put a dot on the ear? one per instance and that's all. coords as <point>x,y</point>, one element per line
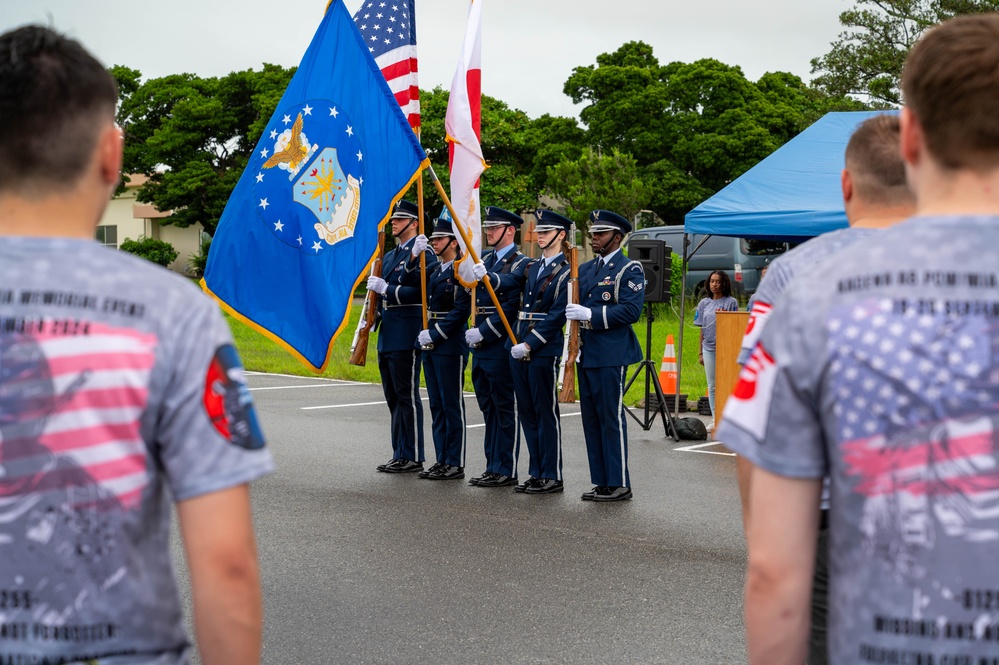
<point>911,137</point>
<point>846,184</point>
<point>109,154</point>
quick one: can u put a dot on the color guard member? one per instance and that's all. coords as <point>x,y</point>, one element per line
<point>401,318</point>
<point>535,360</point>
<point>611,295</point>
<point>490,359</point>
<point>445,355</point>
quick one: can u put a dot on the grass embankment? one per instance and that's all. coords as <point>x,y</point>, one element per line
<point>263,355</point>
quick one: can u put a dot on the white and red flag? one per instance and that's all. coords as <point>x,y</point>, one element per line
<point>389,30</point>
<point>462,122</point>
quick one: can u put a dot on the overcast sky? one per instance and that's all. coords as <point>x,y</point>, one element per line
<point>529,47</point>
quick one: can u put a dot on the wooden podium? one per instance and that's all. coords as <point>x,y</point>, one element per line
<point>729,327</point>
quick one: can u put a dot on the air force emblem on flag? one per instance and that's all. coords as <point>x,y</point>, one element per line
<point>310,170</point>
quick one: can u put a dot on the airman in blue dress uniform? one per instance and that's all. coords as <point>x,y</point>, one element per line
<point>534,361</point>
<point>401,318</point>
<point>445,355</point>
<point>611,295</point>
<point>490,358</point>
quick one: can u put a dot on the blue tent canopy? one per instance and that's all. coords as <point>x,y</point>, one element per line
<point>793,194</point>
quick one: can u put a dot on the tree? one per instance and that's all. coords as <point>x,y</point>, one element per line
<point>516,148</point>
<point>598,181</point>
<point>691,127</point>
<point>867,58</point>
<point>193,136</point>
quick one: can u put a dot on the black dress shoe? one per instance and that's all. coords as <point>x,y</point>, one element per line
<point>382,467</point>
<point>613,494</point>
<point>447,472</point>
<point>436,466</point>
<point>404,466</point>
<point>479,480</point>
<point>546,486</point>
<point>588,496</point>
<point>530,482</point>
<point>499,480</point>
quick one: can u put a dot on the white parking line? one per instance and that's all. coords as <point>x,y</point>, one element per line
<point>340,406</point>
<point>344,406</point>
<point>310,385</point>
<point>696,448</point>
<point>308,378</point>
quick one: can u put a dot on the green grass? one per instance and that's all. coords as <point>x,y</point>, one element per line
<point>260,354</point>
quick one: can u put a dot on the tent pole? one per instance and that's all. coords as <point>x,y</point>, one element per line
<point>683,309</point>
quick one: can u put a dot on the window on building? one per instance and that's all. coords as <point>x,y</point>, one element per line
<point>108,236</point>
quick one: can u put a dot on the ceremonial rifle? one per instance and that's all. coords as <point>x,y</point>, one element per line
<point>359,347</point>
<point>568,379</point>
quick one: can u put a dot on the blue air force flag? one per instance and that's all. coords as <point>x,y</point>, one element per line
<point>301,226</point>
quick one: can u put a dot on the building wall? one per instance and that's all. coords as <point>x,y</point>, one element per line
<point>132,220</point>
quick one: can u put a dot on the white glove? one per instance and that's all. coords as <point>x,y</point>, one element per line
<point>473,336</point>
<point>424,338</point>
<point>479,270</point>
<point>378,285</point>
<point>419,244</point>
<point>578,313</point>
<point>519,351</point>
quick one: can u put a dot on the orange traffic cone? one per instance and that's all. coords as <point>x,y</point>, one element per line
<point>667,371</point>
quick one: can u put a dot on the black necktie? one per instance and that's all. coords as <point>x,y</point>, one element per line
<point>600,263</point>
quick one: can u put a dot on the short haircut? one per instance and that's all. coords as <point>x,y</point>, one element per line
<point>951,84</point>
<point>875,163</point>
<point>54,99</point>
<point>726,283</point>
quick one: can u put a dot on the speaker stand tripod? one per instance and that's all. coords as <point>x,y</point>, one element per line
<point>651,376</point>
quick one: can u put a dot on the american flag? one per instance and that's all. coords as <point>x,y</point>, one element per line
<point>389,30</point>
<point>914,400</point>
<point>76,402</point>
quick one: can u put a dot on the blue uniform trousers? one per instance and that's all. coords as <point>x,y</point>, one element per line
<point>501,442</point>
<point>400,371</point>
<point>445,375</point>
<point>601,393</point>
<point>534,383</point>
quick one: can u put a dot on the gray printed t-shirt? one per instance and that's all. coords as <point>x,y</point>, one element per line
<point>883,373</point>
<point>704,317</point>
<point>120,391</point>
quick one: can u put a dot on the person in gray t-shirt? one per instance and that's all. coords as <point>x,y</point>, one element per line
<point>120,394</point>
<point>875,195</point>
<point>881,373</point>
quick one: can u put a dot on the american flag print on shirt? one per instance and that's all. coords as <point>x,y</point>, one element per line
<point>389,30</point>
<point>915,401</point>
<point>71,398</point>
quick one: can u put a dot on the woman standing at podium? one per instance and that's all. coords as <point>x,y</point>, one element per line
<point>719,300</point>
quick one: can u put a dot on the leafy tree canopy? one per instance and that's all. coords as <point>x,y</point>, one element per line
<point>193,136</point>
<point>516,148</point>
<point>598,181</point>
<point>867,58</point>
<point>691,127</point>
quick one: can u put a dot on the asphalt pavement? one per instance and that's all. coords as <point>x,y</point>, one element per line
<point>367,567</point>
